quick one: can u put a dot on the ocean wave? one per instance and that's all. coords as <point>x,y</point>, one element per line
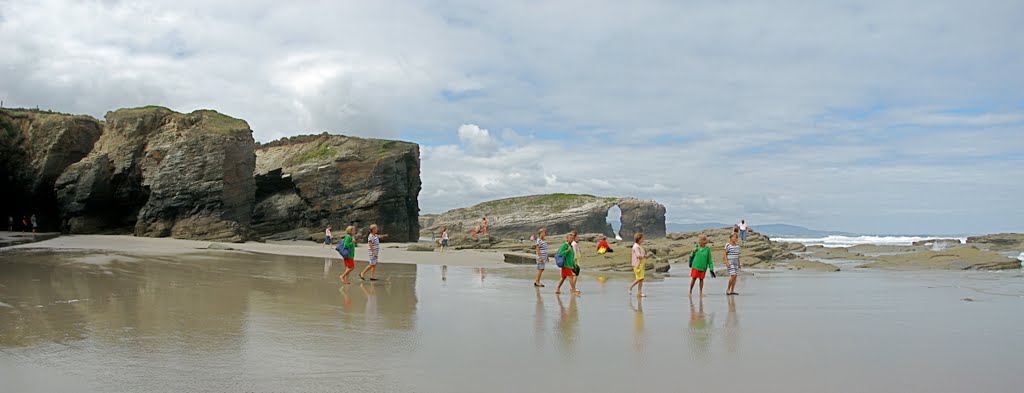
<point>850,241</point>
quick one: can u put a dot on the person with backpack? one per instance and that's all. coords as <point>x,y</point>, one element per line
<point>566,260</point>
<point>700,262</point>
<point>347,249</point>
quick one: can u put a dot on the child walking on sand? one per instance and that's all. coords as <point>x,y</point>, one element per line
<point>327,237</point>
<point>374,242</point>
<point>732,256</point>
<point>349,243</point>
<point>565,251</point>
<point>701,258</point>
<point>639,262</point>
<point>542,256</point>
<point>444,239</point>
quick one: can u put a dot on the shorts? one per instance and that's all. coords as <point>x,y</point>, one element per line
<point>733,267</point>
<point>694,273</point>
<point>541,265</point>
<point>350,263</point>
<point>567,272</point>
<point>638,272</point>
<point>444,242</point>
<point>373,261</point>
<point>327,240</point>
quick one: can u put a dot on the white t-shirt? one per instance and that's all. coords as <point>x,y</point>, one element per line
<point>328,232</point>
<point>444,235</point>
<point>743,226</point>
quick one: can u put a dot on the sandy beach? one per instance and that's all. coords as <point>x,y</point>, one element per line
<point>390,252</point>
<point>168,315</point>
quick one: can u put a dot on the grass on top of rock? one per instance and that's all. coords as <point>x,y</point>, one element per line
<point>557,201</point>
<point>220,123</point>
<point>319,153</point>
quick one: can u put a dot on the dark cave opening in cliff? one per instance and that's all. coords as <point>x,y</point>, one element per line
<point>614,219</point>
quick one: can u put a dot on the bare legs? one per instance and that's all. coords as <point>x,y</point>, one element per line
<point>731,289</point>
<point>692,281</point>
<point>640,290</point>
<point>373,272</point>
<point>344,276</point>
<point>536,282</point>
<point>572,285</point>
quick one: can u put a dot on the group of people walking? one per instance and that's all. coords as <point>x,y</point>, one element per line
<point>701,261</point>
<point>347,249</point>
<point>567,257</point>
<point>27,223</point>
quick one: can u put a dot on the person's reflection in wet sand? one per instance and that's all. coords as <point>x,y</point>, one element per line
<point>567,324</point>
<point>327,267</point>
<point>538,319</point>
<point>732,326</point>
<point>371,301</point>
<point>444,273</point>
<point>483,273</point>
<point>638,323</point>
<point>346,306</point>
<point>700,335</point>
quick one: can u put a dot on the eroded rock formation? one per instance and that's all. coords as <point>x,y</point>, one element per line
<point>558,213</point>
<point>155,172</point>
<point>641,216</point>
<point>314,180</point>
<point>35,148</point>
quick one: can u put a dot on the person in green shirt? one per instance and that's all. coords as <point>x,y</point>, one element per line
<point>700,263</point>
<point>349,244</point>
<point>566,251</point>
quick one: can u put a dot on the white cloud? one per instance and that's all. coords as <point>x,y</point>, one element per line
<point>476,139</point>
<point>806,112</point>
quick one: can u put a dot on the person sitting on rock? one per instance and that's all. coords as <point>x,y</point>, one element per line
<point>603,247</point>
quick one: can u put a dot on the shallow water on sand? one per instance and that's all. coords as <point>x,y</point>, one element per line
<point>242,322</point>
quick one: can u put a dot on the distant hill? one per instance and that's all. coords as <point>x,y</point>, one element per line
<point>701,226</point>
<point>772,230</point>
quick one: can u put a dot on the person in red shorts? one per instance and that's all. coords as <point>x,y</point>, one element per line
<point>349,244</point>
<point>701,262</point>
<point>567,267</point>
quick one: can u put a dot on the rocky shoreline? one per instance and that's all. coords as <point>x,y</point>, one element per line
<point>760,252</point>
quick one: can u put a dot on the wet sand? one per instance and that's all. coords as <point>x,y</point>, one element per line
<point>216,321</point>
<point>390,252</point>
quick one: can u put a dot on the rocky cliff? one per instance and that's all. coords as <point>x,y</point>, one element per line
<point>641,216</point>
<point>307,182</point>
<point>155,172</point>
<point>35,148</point>
<point>558,213</point>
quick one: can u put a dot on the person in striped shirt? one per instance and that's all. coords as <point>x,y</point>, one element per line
<point>732,255</point>
<point>542,255</point>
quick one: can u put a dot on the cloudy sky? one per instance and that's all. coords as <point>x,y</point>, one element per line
<point>875,117</point>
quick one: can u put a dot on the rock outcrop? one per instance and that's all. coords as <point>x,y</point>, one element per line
<point>641,216</point>
<point>310,181</point>
<point>559,213</point>
<point>961,258</point>
<point>157,173</point>
<point>35,148</point>
<point>999,242</point>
